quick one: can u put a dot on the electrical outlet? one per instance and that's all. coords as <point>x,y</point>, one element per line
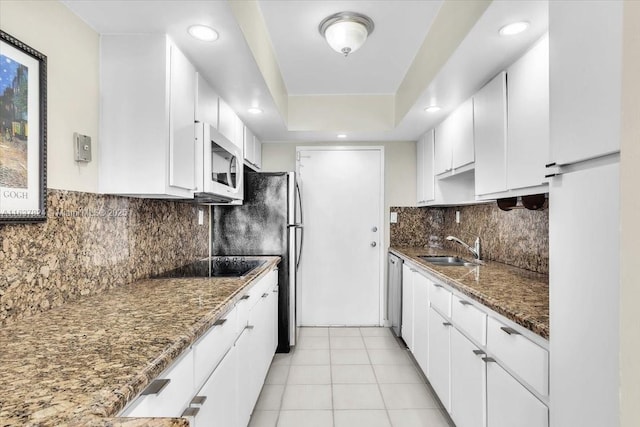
<point>82,147</point>
<point>394,217</point>
<point>200,217</point>
<point>457,217</point>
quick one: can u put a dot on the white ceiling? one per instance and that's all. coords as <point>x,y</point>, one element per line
<point>309,66</point>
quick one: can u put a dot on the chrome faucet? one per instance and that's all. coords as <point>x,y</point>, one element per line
<point>476,246</point>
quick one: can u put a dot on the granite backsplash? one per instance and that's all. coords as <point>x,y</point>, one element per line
<point>91,243</point>
<point>519,237</point>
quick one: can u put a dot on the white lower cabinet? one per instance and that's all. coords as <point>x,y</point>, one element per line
<point>407,305</point>
<point>468,382</point>
<point>439,372</point>
<point>486,370</point>
<point>217,402</point>
<point>510,404</point>
<point>421,319</point>
<point>217,381</point>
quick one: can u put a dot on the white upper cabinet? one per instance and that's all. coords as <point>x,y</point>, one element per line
<point>490,128</point>
<point>252,150</point>
<point>206,103</point>
<point>585,79</point>
<point>511,122</point>
<point>424,168</point>
<point>454,140</point>
<point>147,111</point>
<point>528,112</point>
<point>229,124</point>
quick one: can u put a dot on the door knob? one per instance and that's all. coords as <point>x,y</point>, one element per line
<point>373,244</point>
<point>374,229</point>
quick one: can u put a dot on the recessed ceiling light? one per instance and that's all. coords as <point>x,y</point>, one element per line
<point>342,135</point>
<point>432,109</point>
<point>255,110</point>
<point>202,32</point>
<point>514,28</point>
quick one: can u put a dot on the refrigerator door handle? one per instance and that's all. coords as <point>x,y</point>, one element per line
<point>300,226</point>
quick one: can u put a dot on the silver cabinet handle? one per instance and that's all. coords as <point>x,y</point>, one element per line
<point>463,302</point>
<point>438,285</point>
<point>198,400</point>
<point>190,412</point>
<point>373,244</point>
<point>155,387</point>
<point>446,324</point>
<point>509,330</point>
<point>249,327</point>
<point>374,229</point>
<point>265,295</point>
<point>393,261</point>
<point>244,297</point>
<point>488,359</point>
<point>275,291</point>
<point>219,322</point>
<point>478,352</point>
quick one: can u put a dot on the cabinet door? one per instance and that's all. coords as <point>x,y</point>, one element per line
<point>220,406</point>
<point>490,127</point>
<point>206,104</point>
<point>249,146</point>
<point>420,171</point>
<point>510,404</point>
<point>407,305</point>
<point>227,121</point>
<point>424,168</point>
<point>257,153</point>
<point>585,68</point>
<point>246,357</point>
<point>182,148</point>
<point>462,141</point>
<point>421,319</point>
<point>439,357</point>
<point>444,133</point>
<point>468,382</point>
<point>528,106</point>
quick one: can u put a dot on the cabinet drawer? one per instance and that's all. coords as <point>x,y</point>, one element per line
<point>251,298</point>
<point>168,400</point>
<point>469,319</point>
<point>440,298</point>
<point>527,359</point>
<point>213,345</point>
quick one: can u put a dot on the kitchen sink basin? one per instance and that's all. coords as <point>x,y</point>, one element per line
<point>219,266</point>
<point>446,260</point>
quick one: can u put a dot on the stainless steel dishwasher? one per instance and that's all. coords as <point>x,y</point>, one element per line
<point>394,293</point>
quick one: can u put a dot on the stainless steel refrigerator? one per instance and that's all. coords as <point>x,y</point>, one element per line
<point>269,222</point>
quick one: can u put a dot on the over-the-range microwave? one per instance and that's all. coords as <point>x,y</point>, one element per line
<point>219,167</point>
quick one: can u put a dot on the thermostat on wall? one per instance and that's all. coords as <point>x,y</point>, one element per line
<point>82,147</point>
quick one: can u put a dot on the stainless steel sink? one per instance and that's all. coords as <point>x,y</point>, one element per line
<point>447,260</point>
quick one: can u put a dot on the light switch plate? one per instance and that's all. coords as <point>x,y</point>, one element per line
<point>82,147</point>
<point>200,217</point>
<point>394,217</point>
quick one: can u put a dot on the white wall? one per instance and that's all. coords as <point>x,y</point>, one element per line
<point>630,206</point>
<point>399,165</point>
<point>72,54</point>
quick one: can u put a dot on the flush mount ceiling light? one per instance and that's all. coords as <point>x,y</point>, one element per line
<point>514,28</point>
<point>432,109</point>
<point>203,33</point>
<point>254,110</point>
<point>346,32</point>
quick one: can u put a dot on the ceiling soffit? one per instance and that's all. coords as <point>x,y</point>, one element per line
<point>357,112</point>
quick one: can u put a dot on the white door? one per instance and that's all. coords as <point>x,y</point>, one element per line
<point>340,271</point>
<point>468,382</point>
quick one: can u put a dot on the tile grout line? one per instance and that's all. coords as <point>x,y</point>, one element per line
<point>386,410</point>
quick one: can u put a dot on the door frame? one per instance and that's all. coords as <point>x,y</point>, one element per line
<point>381,227</point>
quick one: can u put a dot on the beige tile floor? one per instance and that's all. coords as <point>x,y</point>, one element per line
<point>346,377</point>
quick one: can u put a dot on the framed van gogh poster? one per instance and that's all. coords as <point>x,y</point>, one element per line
<point>23,132</point>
